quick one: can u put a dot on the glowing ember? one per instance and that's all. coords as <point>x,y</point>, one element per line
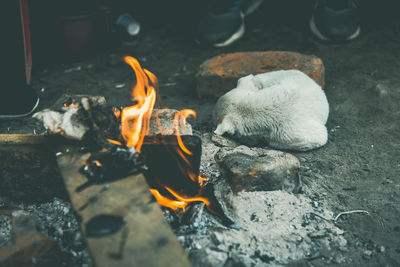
<point>135,122</point>
<point>68,105</point>
<point>114,142</point>
<point>166,202</point>
<point>174,204</point>
<point>98,164</point>
<point>117,112</point>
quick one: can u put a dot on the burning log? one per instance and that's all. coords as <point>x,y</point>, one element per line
<point>173,178</point>
<point>169,174</point>
<point>166,167</point>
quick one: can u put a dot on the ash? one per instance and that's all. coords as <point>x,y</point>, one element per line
<point>5,231</point>
<point>57,221</point>
<point>271,227</point>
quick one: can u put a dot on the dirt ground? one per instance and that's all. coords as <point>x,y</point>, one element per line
<point>359,166</point>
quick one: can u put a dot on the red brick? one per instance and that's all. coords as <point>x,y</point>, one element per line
<point>218,75</point>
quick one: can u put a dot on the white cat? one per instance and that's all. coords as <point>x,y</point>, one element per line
<point>286,109</point>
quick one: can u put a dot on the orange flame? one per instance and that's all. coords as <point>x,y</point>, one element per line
<point>135,119</point>
<point>180,203</point>
<point>166,202</point>
<point>202,180</point>
<point>98,164</point>
<point>188,200</point>
<point>187,169</point>
<point>114,142</point>
<point>117,112</point>
<point>183,113</point>
<point>135,122</point>
<point>66,105</point>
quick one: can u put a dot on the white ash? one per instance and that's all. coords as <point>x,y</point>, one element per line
<point>5,231</point>
<point>57,221</point>
<point>209,167</point>
<point>271,228</point>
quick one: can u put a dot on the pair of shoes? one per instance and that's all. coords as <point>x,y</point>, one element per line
<point>335,20</point>
<point>223,23</point>
<point>19,102</point>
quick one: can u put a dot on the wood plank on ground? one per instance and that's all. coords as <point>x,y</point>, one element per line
<point>22,139</point>
<point>146,238</point>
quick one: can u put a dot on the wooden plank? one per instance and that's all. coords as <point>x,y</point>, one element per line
<point>145,240</point>
<point>23,139</point>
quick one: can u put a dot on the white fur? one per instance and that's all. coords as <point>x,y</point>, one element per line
<point>286,109</point>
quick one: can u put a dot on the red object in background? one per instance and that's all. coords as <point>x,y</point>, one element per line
<point>26,39</point>
<point>17,98</point>
<point>78,35</point>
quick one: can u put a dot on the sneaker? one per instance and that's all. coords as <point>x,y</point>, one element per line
<point>249,6</point>
<point>223,23</point>
<point>19,104</point>
<point>335,20</point>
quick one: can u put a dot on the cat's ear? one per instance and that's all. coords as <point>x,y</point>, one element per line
<point>225,126</point>
<point>245,81</point>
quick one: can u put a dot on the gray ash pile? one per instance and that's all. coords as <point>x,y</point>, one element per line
<point>271,228</point>
<point>56,226</point>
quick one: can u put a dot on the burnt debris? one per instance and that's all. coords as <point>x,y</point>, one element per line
<point>81,117</point>
<point>111,163</point>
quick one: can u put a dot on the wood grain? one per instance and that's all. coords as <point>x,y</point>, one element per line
<point>145,240</point>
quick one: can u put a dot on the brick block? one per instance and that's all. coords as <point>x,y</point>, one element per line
<point>218,75</point>
<point>257,169</point>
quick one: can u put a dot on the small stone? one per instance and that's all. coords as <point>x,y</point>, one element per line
<point>319,234</point>
<point>162,122</point>
<point>120,85</point>
<point>208,257</point>
<point>367,254</point>
<point>222,141</point>
<point>218,75</point>
<point>216,238</point>
<point>28,244</point>
<point>259,169</point>
<point>382,249</point>
<point>181,239</point>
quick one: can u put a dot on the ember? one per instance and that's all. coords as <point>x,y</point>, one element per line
<point>111,163</point>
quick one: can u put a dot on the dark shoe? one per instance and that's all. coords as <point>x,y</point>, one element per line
<point>335,20</point>
<point>223,23</point>
<point>249,6</point>
<point>19,103</point>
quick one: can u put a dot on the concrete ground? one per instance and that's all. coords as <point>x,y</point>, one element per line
<point>360,165</point>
